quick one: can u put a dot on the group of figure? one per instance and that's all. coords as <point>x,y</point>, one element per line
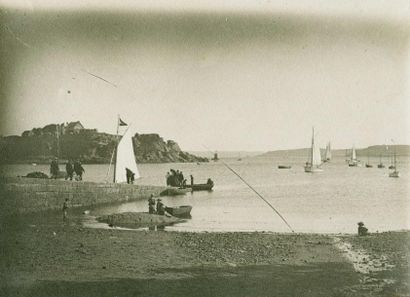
<point>130,176</point>
<point>175,178</point>
<point>158,209</point>
<point>74,167</point>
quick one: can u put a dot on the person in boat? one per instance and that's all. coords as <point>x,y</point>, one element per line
<point>79,170</point>
<point>362,230</point>
<point>160,207</point>
<point>209,181</point>
<point>54,169</point>
<point>130,176</point>
<point>69,170</point>
<point>151,204</point>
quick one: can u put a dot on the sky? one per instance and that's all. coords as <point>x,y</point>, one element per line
<point>249,75</point>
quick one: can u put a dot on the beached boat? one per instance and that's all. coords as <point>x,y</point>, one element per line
<point>175,191</point>
<point>314,161</point>
<point>328,153</point>
<point>284,166</point>
<point>353,162</point>
<point>182,211</point>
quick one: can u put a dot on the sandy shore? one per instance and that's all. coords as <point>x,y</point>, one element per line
<point>41,256</point>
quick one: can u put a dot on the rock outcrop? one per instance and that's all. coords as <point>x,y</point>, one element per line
<point>40,144</point>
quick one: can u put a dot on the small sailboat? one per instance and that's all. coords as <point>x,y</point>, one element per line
<point>392,166</point>
<point>314,162</point>
<point>125,165</point>
<point>368,165</point>
<point>328,153</point>
<point>353,162</point>
<point>215,158</point>
<point>380,165</point>
<point>395,173</point>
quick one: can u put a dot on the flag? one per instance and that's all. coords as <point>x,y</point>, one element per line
<point>122,123</point>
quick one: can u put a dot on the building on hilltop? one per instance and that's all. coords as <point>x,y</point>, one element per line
<point>73,128</point>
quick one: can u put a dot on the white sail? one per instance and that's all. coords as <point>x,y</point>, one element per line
<point>316,159</point>
<point>353,154</point>
<point>125,158</point>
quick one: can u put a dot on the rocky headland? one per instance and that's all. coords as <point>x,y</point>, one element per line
<point>73,141</point>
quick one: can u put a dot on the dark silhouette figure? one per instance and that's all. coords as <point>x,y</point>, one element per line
<point>160,207</point>
<point>130,176</point>
<point>69,170</point>
<point>362,230</point>
<point>54,169</point>
<point>79,170</point>
<point>151,204</point>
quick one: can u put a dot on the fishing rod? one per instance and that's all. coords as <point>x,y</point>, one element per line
<point>253,189</point>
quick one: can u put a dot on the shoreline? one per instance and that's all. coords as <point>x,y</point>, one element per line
<point>45,257</point>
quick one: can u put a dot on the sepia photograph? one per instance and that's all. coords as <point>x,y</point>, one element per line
<point>246,148</point>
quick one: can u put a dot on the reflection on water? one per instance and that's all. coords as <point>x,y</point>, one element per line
<point>332,201</point>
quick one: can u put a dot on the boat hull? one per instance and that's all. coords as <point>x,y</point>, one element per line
<point>394,174</point>
<point>380,166</point>
<point>174,191</point>
<point>200,187</point>
<point>369,166</point>
<point>310,169</point>
<point>179,211</point>
<point>284,167</point>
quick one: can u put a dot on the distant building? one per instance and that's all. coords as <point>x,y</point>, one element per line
<point>73,128</point>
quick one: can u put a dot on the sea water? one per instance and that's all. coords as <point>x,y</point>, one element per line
<point>332,201</point>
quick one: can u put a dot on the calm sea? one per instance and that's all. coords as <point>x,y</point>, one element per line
<point>332,201</point>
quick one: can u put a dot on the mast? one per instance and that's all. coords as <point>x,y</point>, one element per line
<point>116,146</point>
<point>313,146</point>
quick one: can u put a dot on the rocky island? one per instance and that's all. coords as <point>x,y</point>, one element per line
<point>73,141</point>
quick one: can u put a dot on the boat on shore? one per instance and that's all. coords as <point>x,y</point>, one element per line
<point>182,211</point>
<point>314,160</point>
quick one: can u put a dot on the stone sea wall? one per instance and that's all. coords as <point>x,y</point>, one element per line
<point>26,195</point>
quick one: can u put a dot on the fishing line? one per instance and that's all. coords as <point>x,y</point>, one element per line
<point>253,189</point>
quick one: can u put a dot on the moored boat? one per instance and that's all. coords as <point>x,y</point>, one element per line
<point>179,211</point>
<point>200,187</point>
<point>395,173</point>
<point>284,166</point>
<point>174,191</point>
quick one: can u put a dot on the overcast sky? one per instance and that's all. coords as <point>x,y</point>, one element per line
<point>250,76</point>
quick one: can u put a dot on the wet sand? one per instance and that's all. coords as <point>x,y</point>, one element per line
<point>44,257</point>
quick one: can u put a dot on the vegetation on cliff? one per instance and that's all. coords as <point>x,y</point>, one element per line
<point>40,144</point>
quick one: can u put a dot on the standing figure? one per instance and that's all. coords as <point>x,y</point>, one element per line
<point>79,170</point>
<point>69,170</point>
<point>65,209</point>
<point>54,169</point>
<point>160,207</point>
<point>151,204</point>
<point>168,178</point>
<point>362,230</point>
<point>130,176</point>
<point>192,180</point>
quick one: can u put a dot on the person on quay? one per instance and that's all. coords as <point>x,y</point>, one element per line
<point>160,207</point>
<point>130,176</point>
<point>151,204</point>
<point>79,170</point>
<point>69,170</point>
<point>54,169</point>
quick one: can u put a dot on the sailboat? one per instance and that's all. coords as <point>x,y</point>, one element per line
<point>380,165</point>
<point>328,153</point>
<point>395,173</point>
<point>125,165</point>
<point>215,158</point>
<point>353,162</point>
<point>392,166</point>
<point>314,161</point>
<point>368,165</point>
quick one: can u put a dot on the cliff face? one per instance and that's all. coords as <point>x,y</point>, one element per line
<point>39,145</point>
